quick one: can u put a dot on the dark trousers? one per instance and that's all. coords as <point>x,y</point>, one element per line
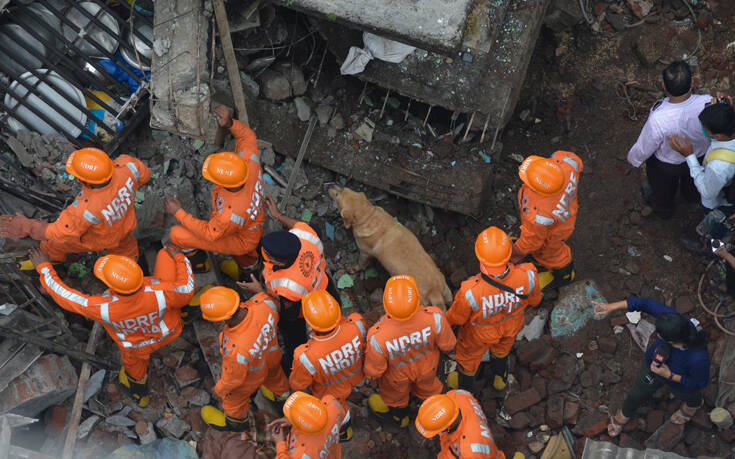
<point>665,179</point>
<point>646,383</point>
<point>293,327</point>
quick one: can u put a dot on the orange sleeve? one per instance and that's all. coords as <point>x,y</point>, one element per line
<point>459,313</point>
<point>246,143</point>
<point>446,341</point>
<point>376,362</point>
<point>69,227</point>
<point>532,237</point>
<point>179,291</point>
<point>213,229</point>
<point>561,154</point>
<point>69,299</point>
<point>534,296</point>
<point>282,450</point>
<point>145,173</point>
<point>300,378</point>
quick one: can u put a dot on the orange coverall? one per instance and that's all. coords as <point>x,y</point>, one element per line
<point>332,364</point>
<point>405,354</point>
<point>100,219</point>
<point>322,445</point>
<point>251,357</point>
<point>490,317</point>
<point>306,274</point>
<point>236,223</point>
<point>473,438</point>
<point>548,221</point>
<point>139,323</point>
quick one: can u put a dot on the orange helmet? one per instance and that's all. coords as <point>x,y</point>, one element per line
<point>225,169</point>
<point>219,303</point>
<point>90,165</point>
<point>543,175</point>
<point>305,412</point>
<point>320,310</point>
<point>121,274</point>
<point>401,297</point>
<point>493,248</point>
<point>436,415</point>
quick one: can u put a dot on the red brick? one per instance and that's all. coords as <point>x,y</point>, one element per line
<point>618,320</point>
<point>521,401</point>
<point>141,428</point>
<point>591,424</point>
<point>539,384</point>
<point>528,351</point>
<point>727,435</point>
<point>545,359</point>
<point>186,375</point>
<point>701,420</point>
<point>48,381</point>
<point>55,418</point>
<point>555,412</point>
<point>654,419</point>
<point>607,345</point>
<point>571,412</point>
<point>113,392</point>
<point>684,305</point>
<point>519,421</point>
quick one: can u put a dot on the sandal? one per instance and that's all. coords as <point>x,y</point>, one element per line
<point>615,426</point>
<point>681,416</point>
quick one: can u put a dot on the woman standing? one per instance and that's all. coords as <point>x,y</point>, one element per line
<point>678,359</point>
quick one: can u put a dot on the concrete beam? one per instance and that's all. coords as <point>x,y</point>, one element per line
<point>427,24</point>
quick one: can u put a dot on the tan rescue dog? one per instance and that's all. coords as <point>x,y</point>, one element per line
<point>379,235</point>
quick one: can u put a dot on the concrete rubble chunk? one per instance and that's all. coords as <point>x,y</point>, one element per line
<point>186,376</point>
<point>274,85</point>
<point>521,401</point>
<point>303,110</point>
<point>574,307</point>
<point>174,426</point>
<point>49,381</point>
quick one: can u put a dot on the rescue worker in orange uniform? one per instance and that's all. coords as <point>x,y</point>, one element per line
<point>101,218</point>
<point>141,314</point>
<point>331,361</point>
<point>548,203</point>
<point>251,357</point>
<point>403,350</point>
<point>314,425</point>
<point>490,308</point>
<point>235,225</point>
<point>293,265</point>
<point>461,424</point>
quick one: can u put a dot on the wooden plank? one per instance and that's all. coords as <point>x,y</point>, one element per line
<point>55,347</point>
<point>230,60</point>
<point>5,433</point>
<point>300,157</point>
<point>76,411</point>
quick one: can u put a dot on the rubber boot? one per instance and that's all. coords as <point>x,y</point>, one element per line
<point>453,380</point>
<point>220,421</point>
<point>398,416</point>
<point>277,400</point>
<point>192,311</point>
<point>346,432</point>
<point>199,260</point>
<point>549,280</point>
<point>499,366</point>
<point>466,382</point>
<point>138,390</point>
<point>236,272</point>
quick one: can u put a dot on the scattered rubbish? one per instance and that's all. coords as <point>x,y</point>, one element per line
<point>306,215</point>
<point>376,47</point>
<point>618,329</point>
<point>573,308</point>
<point>145,432</point>
<point>518,158</point>
<point>365,130</point>
<point>640,8</point>
<point>633,317</point>
<point>268,179</point>
<point>371,272</point>
<point>94,384</point>
<point>165,447</point>
<point>329,230</point>
<point>485,157</point>
<point>641,333</point>
<point>345,300</point>
<point>7,308</point>
<point>345,281</point>
<point>535,328</point>
<point>87,426</point>
<point>77,270</point>
<point>174,426</point>
<point>118,420</point>
<point>579,354</point>
<point>198,143</point>
<point>633,252</point>
<point>668,258</point>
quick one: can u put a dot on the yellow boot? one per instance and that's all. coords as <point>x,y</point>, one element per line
<point>191,312</point>
<point>499,366</point>
<point>399,415</point>
<point>138,390</point>
<point>220,421</point>
<point>199,260</point>
<point>453,380</point>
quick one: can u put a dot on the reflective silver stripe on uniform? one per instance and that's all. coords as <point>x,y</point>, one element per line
<point>155,281</point>
<point>105,314</point>
<point>519,311</point>
<point>305,456</point>
<point>289,285</point>
<point>571,162</point>
<point>258,367</point>
<point>323,264</point>
<point>361,326</point>
<point>301,234</point>
<point>61,290</point>
<point>531,280</point>
<point>236,219</point>
<point>374,343</point>
<point>189,286</point>
<point>255,158</point>
<point>272,305</point>
<point>411,360</point>
<point>307,364</point>
<point>351,374</point>
<point>242,359</point>
<point>226,350</point>
<point>75,203</point>
<point>480,448</point>
<point>89,216</point>
<point>438,322</point>
<point>471,300</point>
<point>272,348</point>
<point>134,170</point>
<point>253,228</point>
<point>541,220</point>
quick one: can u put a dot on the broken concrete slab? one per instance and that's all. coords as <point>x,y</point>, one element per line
<point>49,381</point>
<point>574,307</point>
<point>174,426</point>
<point>427,24</point>
<point>207,334</point>
<point>594,449</point>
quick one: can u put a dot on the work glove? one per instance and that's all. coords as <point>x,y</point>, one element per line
<point>15,226</point>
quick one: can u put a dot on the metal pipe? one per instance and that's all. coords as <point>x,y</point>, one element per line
<point>31,30</point>
<point>130,9</point>
<point>39,113</point>
<point>73,102</point>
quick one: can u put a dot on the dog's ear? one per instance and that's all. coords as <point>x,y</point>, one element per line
<point>346,217</point>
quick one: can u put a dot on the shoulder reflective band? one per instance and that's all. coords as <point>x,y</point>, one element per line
<point>89,216</point>
<point>375,345</point>
<point>438,322</point>
<point>571,162</point>
<point>542,220</point>
<point>471,300</point>
<point>307,364</point>
<point>238,220</point>
<point>531,280</point>
<point>134,170</point>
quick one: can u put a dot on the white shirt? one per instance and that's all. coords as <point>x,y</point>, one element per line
<point>712,178</point>
<point>665,120</point>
